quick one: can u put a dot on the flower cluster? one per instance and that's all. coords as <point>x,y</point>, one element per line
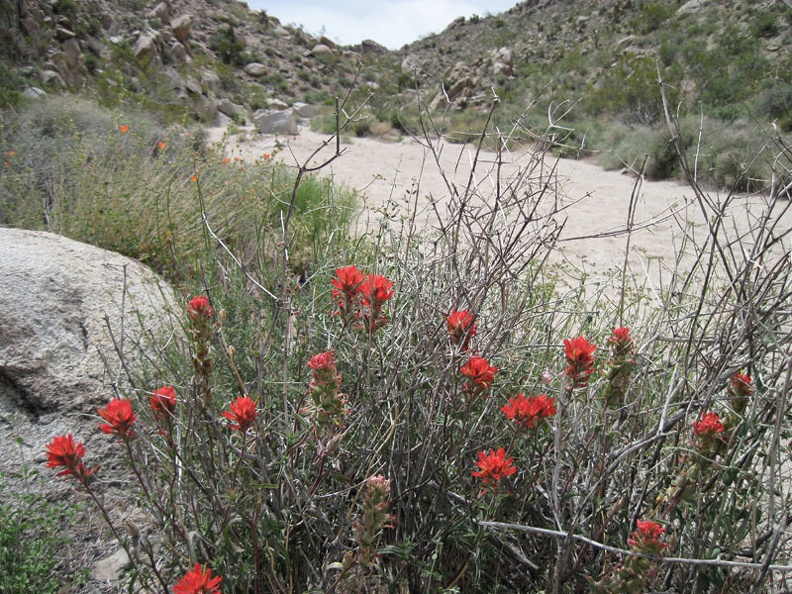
<point>199,310</point>
<point>198,581</point>
<point>740,391</point>
<point>480,373</point>
<point>706,431</point>
<point>619,368</point>
<point>242,414</point>
<point>646,540</point>
<point>201,315</point>
<point>373,516</point>
<point>631,576</point>
<point>493,467</point>
<point>63,451</point>
<point>347,290</point>
<point>163,403</point>
<point>120,417</point>
<point>580,360</point>
<point>361,296</point>
<point>328,404</point>
<point>529,412</point>
<point>461,328</point>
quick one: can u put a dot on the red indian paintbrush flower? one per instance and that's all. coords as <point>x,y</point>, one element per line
<point>494,466</point>
<point>328,404</point>
<point>708,426</point>
<point>243,413</point>
<point>119,416</point>
<point>374,292</point>
<point>198,581</point>
<point>347,290</point>
<point>527,412</point>
<point>706,432</point>
<point>740,390</point>
<point>618,369</point>
<point>199,309</point>
<point>740,385</point>
<point>62,451</point>
<point>480,372</point>
<point>461,327</point>
<point>163,402</point>
<point>580,362</point>
<point>646,539</point>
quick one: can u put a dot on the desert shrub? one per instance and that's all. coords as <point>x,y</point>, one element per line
<point>347,430</point>
<point>630,90</point>
<point>87,173</point>
<point>228,45</point>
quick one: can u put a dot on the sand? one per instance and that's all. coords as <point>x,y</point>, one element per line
<point>390,175</point>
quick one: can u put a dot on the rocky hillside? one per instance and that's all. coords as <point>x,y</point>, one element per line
<point>607,54</point>
<point>210,55</point>
<point>202,55</point>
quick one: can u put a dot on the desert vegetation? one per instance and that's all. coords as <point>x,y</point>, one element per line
<point>417,410</point>
<point>430,409</point>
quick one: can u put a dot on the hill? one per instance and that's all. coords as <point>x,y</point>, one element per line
<point>594,66</point>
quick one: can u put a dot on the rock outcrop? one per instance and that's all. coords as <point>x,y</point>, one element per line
<point>64,307</point>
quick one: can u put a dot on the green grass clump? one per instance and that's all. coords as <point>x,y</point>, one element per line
<point>32,539</point>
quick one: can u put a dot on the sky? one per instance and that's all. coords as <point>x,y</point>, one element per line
<point>392,23</point>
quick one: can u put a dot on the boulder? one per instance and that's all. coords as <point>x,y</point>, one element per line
<point>181,27</point>
<point>160,12</point>
<point>230,109</point>
<point>147,46</point>
<point>270,121</point>
<point>256,69</point>
<point>62,305</point>
<point>63,34</point>
<point>369,46</point>
<point>178,53</point>
<point>304,110</point>
<point>52,79</point>
<point>320,49</point>
<point>274,103</point>
<point>33,93</point>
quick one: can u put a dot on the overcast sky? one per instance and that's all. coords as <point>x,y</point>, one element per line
<point>393,23</point>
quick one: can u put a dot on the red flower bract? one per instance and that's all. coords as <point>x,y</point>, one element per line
<point>199,309</point>
<point>62,451</point>
<point>374,292</point>
<point>461,327</point>
<point>119,416</point>
<point>709,425</point>
<point>647,538</point>
<point>347,289</point>
<point>243,413</point>
<point>580,362</point>
<point>527,412</point>
<point>480,372</point>
<point>323,361</point>
<point>196,581</point>
<point>163,402</point>
<point>347,283</point>
<point>494,466</point>
<point>740,385</point>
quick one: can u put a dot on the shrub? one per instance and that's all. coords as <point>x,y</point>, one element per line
<point>228,45</point>
<point>430,411</point>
